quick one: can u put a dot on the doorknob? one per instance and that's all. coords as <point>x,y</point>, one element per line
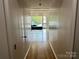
<point>24,36</point>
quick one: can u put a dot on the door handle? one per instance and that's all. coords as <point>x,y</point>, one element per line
<point>24,36</point>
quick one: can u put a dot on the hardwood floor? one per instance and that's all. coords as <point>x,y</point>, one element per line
<point>40,50</point>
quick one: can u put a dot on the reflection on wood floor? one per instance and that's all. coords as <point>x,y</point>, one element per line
<point>40,50</point>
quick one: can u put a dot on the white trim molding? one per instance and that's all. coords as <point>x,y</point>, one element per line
<point>53,50</point>
<point>27,51</point>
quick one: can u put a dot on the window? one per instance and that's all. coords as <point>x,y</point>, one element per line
<point>36,23</point>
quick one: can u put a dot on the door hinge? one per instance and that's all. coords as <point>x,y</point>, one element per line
<point>14,46</point>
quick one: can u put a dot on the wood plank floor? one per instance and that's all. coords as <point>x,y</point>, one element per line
<point>40,50</point>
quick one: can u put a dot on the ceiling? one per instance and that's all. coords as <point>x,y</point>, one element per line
<point>47,4</point>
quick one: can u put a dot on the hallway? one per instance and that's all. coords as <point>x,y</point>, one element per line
<point>40,50</point>
<point>39,29</point>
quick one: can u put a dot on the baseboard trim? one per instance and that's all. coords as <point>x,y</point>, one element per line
<point>27,52</point>
<point>53,50</point>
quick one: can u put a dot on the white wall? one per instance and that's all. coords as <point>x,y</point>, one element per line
<point>4,53</point>
<point>76,41</point>
<point>62,39</point>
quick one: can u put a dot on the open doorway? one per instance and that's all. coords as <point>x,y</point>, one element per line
<point>35,28</point>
